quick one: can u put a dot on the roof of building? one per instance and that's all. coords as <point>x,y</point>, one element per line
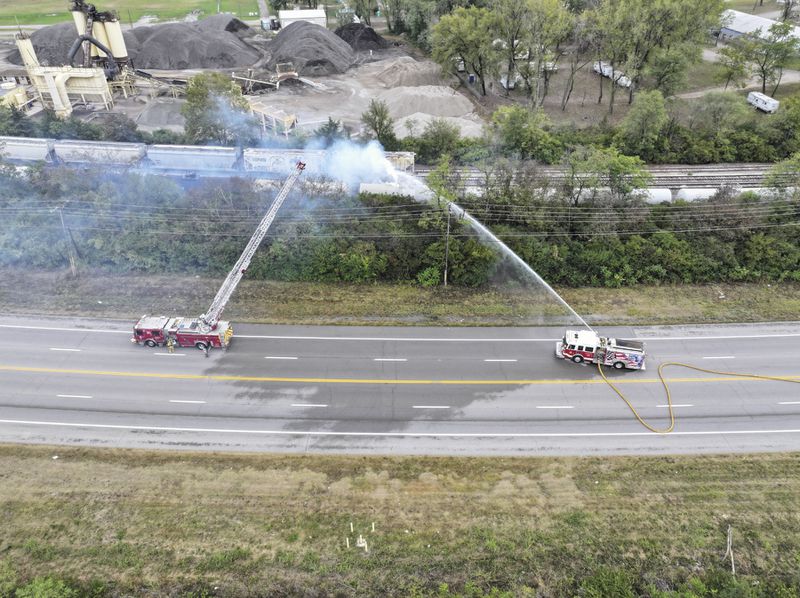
<point>743,22</point>
<point>302,14</point>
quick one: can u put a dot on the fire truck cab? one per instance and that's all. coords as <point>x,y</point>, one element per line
<point>586,345</point>
<point>185,332</point>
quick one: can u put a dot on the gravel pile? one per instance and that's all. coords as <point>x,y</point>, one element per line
<point>361,37</point>
<point>215,42</point>
<point>407,72</point>
<point>435,100</point>
<point>312,49</point>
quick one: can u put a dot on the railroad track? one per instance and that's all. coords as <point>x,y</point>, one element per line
<point>667,176</point>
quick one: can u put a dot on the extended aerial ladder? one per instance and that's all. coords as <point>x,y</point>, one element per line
<point>211,317</point>
<point>208,330</point>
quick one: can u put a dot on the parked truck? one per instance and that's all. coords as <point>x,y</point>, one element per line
<point>587,346</point>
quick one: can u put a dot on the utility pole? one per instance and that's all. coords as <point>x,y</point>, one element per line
<point>68,241</point>
<point>447,244</point>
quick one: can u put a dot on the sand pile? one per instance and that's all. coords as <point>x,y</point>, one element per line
<point>361,37</point>
<point>469,125</point>
<point>407,72</point>
<point>215,42</point>
<point>312,49</point>
<point>435,100</point>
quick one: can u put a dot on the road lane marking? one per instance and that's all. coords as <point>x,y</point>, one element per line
<point>555,407</point>
<point>421,339</point>
<point>500,360</point>
<point>431,407</point>
<point>392,434</point>
<point>185,401</point>
<point>74,396</point>
<point>401,381</point>
<point>389,359</point>
<point>678,405</point>
<point>308,405</point>
<point>276,357</point>
<point>721,357</point>
<point>789,403</point>
<point>171,354</point>
<point>58,349</point>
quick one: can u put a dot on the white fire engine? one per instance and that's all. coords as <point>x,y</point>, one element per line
<point>587,345</point>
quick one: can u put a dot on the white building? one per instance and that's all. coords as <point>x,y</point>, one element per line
<point>316,16</point>
<point>736,24</point>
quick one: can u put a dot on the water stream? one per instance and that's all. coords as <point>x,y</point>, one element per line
<point>422,192</point>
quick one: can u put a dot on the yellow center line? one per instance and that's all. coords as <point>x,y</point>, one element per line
<point>80,372</point>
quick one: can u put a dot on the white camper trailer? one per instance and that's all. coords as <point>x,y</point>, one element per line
<point>762,102</point>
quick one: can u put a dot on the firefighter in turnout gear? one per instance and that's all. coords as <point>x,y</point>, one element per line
<point>170,345</point>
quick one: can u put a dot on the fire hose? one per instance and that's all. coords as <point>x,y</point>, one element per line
<point>663,380</point>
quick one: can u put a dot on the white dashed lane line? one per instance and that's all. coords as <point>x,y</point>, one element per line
<point>431,407</point>
<point>500,360</point>
<point>555,407</point>
<point>182,401</point>
<point>280,357</point>
<point>789,403</point>
<point>171,354</point>
<point>389,359</point>
<point>677,405</point>
<point>59,349</point>
<point>721,357</point>
<point>74,396</point>
<point>308,405</point>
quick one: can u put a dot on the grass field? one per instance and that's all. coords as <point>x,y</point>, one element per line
<point>103,295</point>
<point>118,522</point>
<point>54,11</point>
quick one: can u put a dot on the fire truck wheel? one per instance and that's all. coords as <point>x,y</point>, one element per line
<point>150,342</point>
<point>618,365</point>
<point>577,359</point>
<point>201,345</point>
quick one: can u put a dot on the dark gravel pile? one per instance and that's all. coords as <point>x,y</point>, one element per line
<point>215,42</point>
<point>361,37</point>
<point>312,49</point>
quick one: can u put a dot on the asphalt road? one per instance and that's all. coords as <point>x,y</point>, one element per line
<point>454,391</point>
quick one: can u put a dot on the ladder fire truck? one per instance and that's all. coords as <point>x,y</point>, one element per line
<point>587,345</point>
<point>208,330</point>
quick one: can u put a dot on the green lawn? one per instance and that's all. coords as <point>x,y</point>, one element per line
<point>55,11</point>
<point>124,522</point>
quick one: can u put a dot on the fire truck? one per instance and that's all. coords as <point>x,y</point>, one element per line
<point>588,346</point>
<point>207,330</point>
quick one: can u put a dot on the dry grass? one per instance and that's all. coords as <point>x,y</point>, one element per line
<point>127,297</point>
<point>164,522</point>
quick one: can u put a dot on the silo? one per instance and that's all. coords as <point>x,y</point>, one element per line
<point>99,33</point>
<point>116,41</point>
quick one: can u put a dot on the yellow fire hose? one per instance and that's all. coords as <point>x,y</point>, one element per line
<point>669,394</point>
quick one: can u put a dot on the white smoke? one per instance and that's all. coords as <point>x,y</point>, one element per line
<point>354,164</point>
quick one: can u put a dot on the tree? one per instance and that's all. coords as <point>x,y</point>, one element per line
<point>465,35</point>
<point>513,17</point>
<point>550,24</point>
<point>364,10</point>
<point>641,131</point>
<point>789,9</point>
<point>216,111</point>
<point>582,45</point>
<point>380,124</point>
<point>330,132</point>
<point>526,133</point>
<point>770,53</point>
<point>785,175</point>
<point>394,12</point>
<point>438,138</point>
<point>668,67</point>
<point>734,65</point>
<point>588,169</point>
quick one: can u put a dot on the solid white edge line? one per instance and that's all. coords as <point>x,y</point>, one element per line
<point>555,406</point>
<point>58,349</point>
<point>285,358</point>
<point>388,359</point>
<point>430,407</point>
<point>75,396</point>
<point>308,405</point>
<point>421,339</point>
<point>395,434</point>
<point>789,403</point>
<point>185,401</point>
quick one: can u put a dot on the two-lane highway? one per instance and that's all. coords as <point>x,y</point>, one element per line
<point>394,390</point>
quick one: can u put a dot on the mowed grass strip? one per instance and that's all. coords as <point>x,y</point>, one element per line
<point>36,12</point>
<point>163,522</point>
<point>94,294</point>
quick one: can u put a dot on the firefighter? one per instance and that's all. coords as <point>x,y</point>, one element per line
<point>170,345</point>
<point>205,350</point>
